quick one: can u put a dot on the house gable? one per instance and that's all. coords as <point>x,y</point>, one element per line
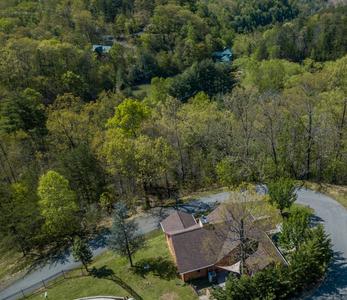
<point>201,246</point>
<point>177,222</point>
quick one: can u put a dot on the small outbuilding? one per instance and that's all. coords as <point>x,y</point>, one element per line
<point>101,49</point>
<point>225,55</point>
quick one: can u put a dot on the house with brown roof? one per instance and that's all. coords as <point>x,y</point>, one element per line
<point>205,246</point>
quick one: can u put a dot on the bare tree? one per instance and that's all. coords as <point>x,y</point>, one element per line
<point>241,224</point>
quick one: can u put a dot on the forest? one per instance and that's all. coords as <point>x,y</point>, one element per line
<point>78,132</point>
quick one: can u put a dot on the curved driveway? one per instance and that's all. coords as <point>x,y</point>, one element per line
<point>328,211</point>
<point>334,218</point>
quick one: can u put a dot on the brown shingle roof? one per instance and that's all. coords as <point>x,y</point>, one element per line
<point>199,247</point>
<point>177,221</point>
<point>192,249</point>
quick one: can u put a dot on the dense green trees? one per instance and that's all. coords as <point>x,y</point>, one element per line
<point>23,112</point>
<point>19,219</point>
<point>274,112</point>
<point>177,37</point>
<point>249,15</point>
<point>128,117</point>
<point>211,78</point>
<point>320,37</point>
<point>84,173</point>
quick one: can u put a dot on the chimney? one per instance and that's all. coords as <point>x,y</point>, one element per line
<point>203,220</point>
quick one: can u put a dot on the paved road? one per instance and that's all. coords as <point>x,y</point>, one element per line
<point>334,218</point>
<point>327,210</point>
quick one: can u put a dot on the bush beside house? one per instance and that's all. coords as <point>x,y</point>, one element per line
<point>307,265</point>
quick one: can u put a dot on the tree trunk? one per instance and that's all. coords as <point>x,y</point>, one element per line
<point>85,266</point>
<point>19,241</point>
<point>147,202</point>
<point>309,147</point>
<point>167,186</point>
<point>273,144</point>
<point>242,250</point>
<point>121,185</point>
<point>8,163</point>
<point>181,158</point>
<point>2,167</point>
<point>340,138</point>
<point>342,125</point>
<point>281,212</point>
<point>128,250</point>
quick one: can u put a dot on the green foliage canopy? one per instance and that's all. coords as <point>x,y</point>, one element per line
<point>57,204</point>
<point>125,238</point>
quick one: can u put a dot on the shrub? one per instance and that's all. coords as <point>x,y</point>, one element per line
<point>307,265</point>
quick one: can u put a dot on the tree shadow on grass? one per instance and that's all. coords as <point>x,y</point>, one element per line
<point>159,266</point>
<point>102,272</point>
<point>106,273</point>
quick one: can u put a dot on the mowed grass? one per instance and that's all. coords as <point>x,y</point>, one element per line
<point>337,192</point>
<point>160,282</point>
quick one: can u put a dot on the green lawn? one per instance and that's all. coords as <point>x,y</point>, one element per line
<point>160,282</point>
<point>13,264</point>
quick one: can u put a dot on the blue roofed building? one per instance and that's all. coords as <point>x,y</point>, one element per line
<point>101,49</point>
<point>223,56</point>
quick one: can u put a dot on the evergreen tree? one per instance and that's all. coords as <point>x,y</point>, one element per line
<point>310,262</point>
<point>81,252</point>
<point>124,238</point>
<point>282,193</point>
<point>295,228</point>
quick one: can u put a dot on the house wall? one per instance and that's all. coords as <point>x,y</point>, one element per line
<point>190,275</point>
<point>170,245</point>
<point>195,274</point>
